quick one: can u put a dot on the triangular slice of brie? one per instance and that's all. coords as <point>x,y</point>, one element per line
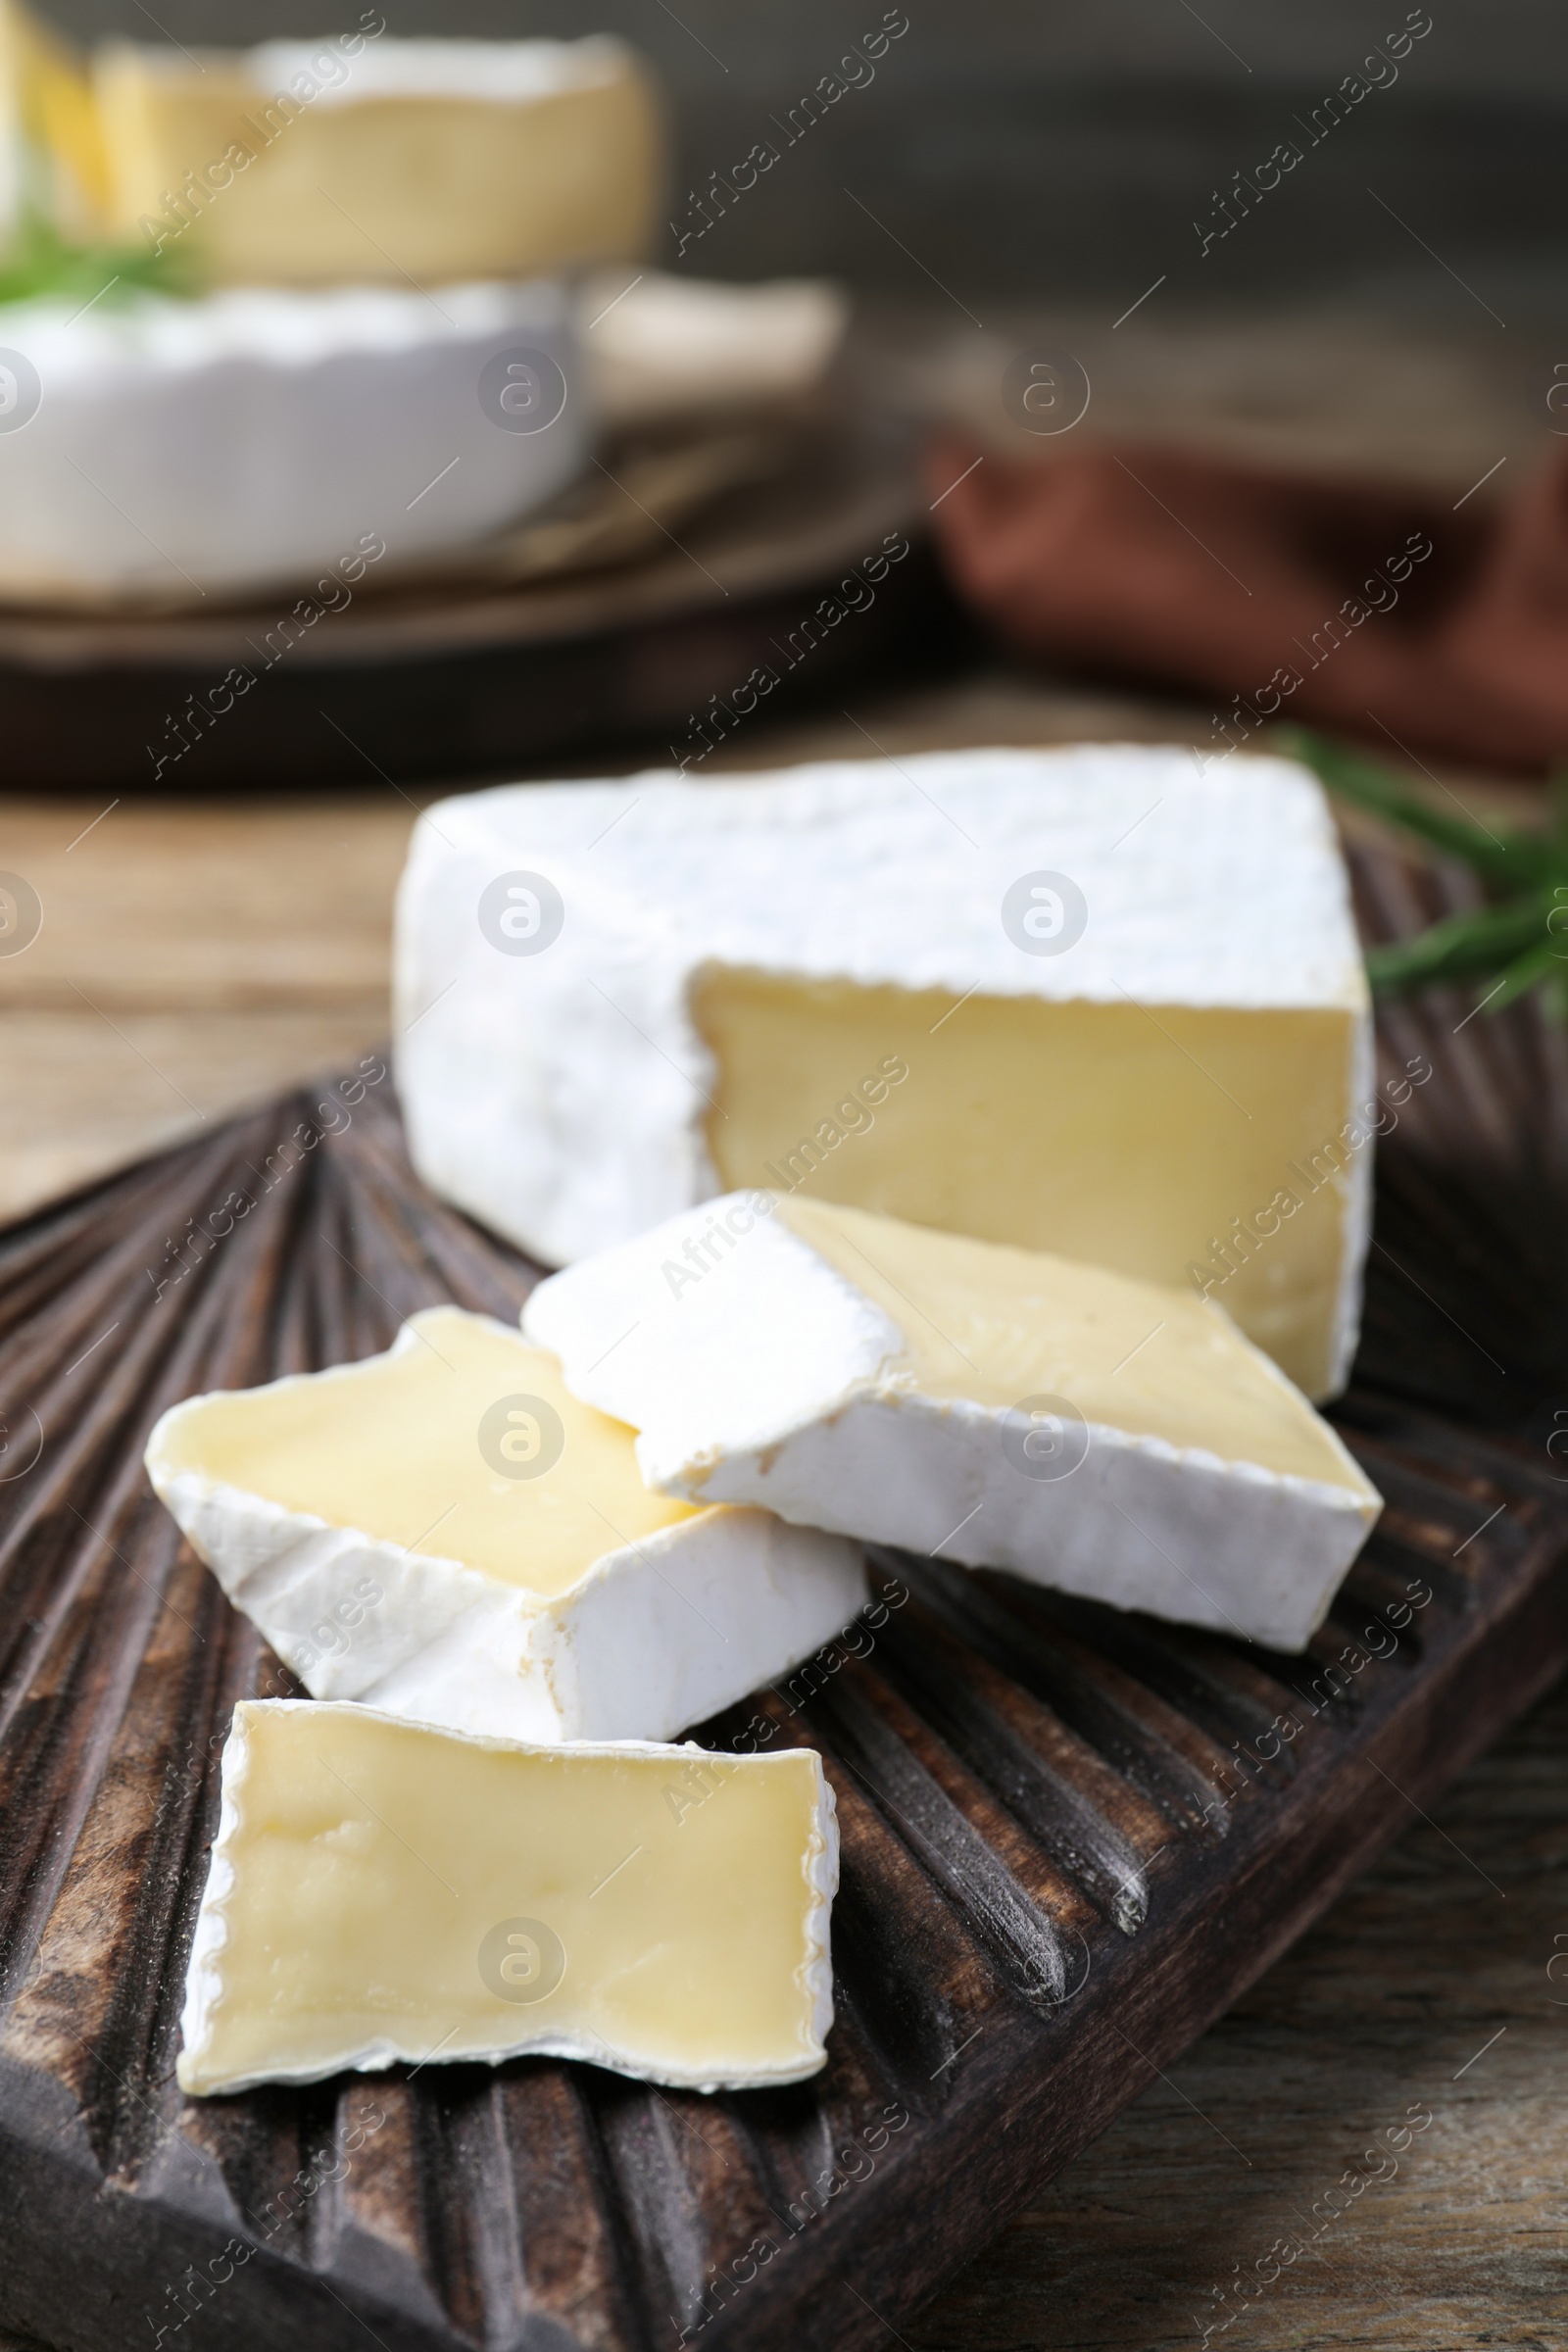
<point>996,1406</point>
<point>446,1531</point>
<point>382,1892</point>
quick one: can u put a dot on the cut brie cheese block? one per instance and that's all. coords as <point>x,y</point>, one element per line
<point>446,1531</point>
<point>960,1398</point>
<point>126,481</point>
<point>1086,1000</point>
<point>381,1891</point>
<point>356,157</point>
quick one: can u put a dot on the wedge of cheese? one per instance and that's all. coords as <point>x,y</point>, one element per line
<point>447,1533</point>
<point>381,1891</point>
<point>1086,1000</point>
<point>968,1399</point>
<point>52,165</point>
<point>658,346</point>
<point>362,158</point>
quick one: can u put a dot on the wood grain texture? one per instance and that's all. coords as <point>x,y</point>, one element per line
<point>1411,1972</point>
<point>191,961</point>
<point>1397,1998</point>
<point>1066,1845</point>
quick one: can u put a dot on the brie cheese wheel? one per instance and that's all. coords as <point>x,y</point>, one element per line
<point>183,448</point>
<point>359,156</point>
<point>381,1891</point>
<point>447,1533</point>
<point>960,1398</point>
<point>1086,1000</point>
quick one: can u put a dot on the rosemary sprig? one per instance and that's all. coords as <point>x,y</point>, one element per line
<point>1519,942</point>
<point>38,260</point>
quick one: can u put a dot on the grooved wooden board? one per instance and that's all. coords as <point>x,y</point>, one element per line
<point>1066,1840</point>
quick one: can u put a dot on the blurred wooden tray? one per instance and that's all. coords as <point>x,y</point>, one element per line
<point>444,676</point>
<point>1071,1837</point>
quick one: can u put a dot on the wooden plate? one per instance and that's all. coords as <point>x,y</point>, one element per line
<point>1071,1837</point>
<point>445,677</point>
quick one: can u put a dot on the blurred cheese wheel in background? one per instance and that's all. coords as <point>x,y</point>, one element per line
<point>165,449</point>
<point>361,158</point>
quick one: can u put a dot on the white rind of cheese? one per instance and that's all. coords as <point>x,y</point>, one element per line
<point>145,403</point>
<point>772,1377</point>
<point>656,1634</point>
<point>561,1096</point>
<point>489,72</point>
<point>666,345</point>
<point>201,2071</point>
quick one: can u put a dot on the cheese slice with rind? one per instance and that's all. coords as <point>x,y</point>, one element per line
<point>383,1891</point>
<point>991,1405</point>
<point>447,1533</point>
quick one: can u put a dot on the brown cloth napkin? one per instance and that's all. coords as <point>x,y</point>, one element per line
<point>1388,612</point>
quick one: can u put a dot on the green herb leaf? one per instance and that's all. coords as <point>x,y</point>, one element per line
<point>1507,859</point>
<point>1517,942</point>
<point>1461,947</point>
<point>1527,971</point>
<point>39,263</point>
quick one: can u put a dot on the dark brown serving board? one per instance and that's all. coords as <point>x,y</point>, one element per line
<point>1068,1842</point>
<point>446,677</point>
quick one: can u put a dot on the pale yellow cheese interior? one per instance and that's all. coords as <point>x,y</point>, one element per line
<point>392,1448</point>
<point>384,186</point>
<point>1127,1138</point>
<point>374,1859</point>
<point>1001,1325</point>
<point>55,163</point>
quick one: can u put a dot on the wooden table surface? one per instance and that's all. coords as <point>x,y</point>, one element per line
<point>196,956</point>
<point>1426,1987</point>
